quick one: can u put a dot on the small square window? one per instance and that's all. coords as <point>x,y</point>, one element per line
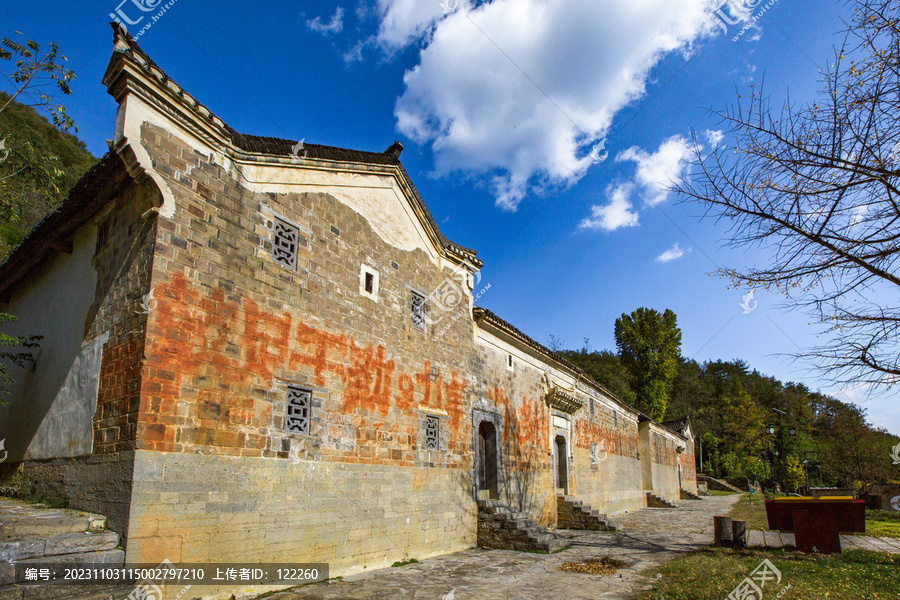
<point>417,309</point>
<point>368,282</point>
<point>299,403</point>
<point>285,241</point>
<point>432,432</point>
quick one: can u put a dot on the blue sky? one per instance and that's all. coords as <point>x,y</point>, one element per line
<point>537,131</point>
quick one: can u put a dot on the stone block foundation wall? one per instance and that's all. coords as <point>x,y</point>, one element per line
<point>200,508</point>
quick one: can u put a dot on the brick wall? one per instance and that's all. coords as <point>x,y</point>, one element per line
<point>231,329</point>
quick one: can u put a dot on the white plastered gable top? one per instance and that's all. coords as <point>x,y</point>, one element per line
<point>374,185</point>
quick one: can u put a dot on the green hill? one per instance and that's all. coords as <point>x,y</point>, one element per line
<point>40,164</point>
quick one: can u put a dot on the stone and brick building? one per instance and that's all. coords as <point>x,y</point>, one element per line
<point>256,350</point>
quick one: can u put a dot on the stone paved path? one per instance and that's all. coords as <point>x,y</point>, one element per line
<point>649,537</point>
<point>774,539</point>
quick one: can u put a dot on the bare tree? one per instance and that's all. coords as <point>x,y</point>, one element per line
<point>556,343</point>
<point>817,186</point>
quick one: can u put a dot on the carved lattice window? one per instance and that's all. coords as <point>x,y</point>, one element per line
<point>417,310</point>
<point>298,409</point>
<point>285,240</point>
<point>432,429</point>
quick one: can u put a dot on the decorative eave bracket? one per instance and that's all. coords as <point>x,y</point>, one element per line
<point>563,401</point>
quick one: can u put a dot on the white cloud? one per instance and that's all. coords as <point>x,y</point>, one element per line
<point>615,213</point>
<point>671,254</point>
<point>657,171</point>
<point>334,26</point>
<point>522,91</point>
<point>403,21</point>
<point>714,138</point>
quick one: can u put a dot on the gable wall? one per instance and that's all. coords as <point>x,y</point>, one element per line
<point>216,475</point>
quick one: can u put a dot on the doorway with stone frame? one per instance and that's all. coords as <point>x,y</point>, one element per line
<point>561,456</point>
<point>487,476</point>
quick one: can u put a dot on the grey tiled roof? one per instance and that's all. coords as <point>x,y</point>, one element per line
<point>100,184</point>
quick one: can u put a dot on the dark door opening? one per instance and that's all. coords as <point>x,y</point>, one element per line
<point>562,465</point>
<point>487,461</point>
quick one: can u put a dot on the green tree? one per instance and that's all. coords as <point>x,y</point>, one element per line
<point>41,164</point>
<point>605,368</point>
<point>649,346</point>
<point>37,74</point>
<point>796,474</point>
<point>760,470</point>
<point>38,162</point>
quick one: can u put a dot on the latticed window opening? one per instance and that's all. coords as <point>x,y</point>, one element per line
<point>417,310</point>
<point>103,233</point>
<point>284,244</point>
<point>432,427</point>
<point>298,408</point>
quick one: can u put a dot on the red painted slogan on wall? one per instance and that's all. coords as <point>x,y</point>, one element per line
<point>208,345</point>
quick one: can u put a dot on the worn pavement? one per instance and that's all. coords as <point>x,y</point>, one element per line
<point>649,537</point>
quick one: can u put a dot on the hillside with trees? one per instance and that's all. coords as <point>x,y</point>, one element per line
<point>42,164</point>
<point>731,407</point>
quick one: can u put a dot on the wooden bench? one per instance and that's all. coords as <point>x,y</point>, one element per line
<point>817,522</point>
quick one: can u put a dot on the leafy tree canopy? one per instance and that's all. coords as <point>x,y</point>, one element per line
<point>649,346</point>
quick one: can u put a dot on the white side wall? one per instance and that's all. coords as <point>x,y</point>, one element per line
<point>50,407</point>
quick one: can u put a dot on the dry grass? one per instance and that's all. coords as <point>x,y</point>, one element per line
<point>603,565</point>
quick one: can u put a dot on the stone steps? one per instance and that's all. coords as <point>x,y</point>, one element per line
<point>499,527</point>
<point>35,534</point>
<point>574,514</point>
<point>686,495</point>
<point>718,484</point>
<point>654,501</point>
